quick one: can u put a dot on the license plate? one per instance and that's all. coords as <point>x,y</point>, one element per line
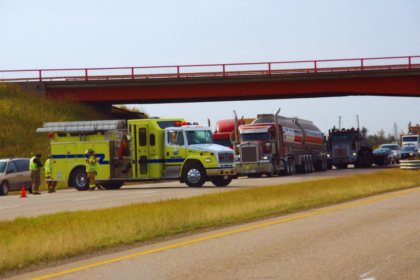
<point>225,177</point>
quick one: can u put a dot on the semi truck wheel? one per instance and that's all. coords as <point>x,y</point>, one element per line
<point>113,185</point>
<point>80,180</point>
<point>220,182</point>
<point>194,176</point>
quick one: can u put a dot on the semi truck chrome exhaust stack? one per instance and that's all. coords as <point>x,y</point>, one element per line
<point>235,143</point>
<point>276,123</point>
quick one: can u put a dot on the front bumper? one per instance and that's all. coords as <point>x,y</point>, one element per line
<point>220,172</point>
<point>246,169</point>
<point>344,160</point>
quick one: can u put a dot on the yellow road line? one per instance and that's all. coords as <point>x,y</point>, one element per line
<point>216,235</point>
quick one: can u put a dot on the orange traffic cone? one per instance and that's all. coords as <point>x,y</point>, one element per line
<point>23,194</point>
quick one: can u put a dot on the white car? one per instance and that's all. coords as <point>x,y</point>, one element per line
<point>395,148</point>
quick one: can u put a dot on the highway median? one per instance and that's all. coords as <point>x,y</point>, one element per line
<point>48,238</point>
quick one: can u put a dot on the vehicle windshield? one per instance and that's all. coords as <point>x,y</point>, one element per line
<point>391,147</point>
<point>2,166</point>
<point>342,136</point>
<point>199,137</point>
<point>254,136</point>
<point>223,142</point>
<point>408,149</point>
<point>381,151</point>
<point>410,139</point>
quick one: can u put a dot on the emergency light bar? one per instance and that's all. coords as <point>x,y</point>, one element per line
<point>185,123</point>
<point>84,126</point>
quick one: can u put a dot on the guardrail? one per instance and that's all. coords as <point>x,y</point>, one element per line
<point>410,164</point>
<point>233,69</point>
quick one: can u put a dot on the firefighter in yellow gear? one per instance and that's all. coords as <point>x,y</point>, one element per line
<point>91,170</point>
<point>35,173</point>
<point>50,184</point>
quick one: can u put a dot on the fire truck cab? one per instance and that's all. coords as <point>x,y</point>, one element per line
<point>138,150</point>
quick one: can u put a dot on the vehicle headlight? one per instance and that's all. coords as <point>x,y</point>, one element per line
<point>208,160</point>
<point>354,154</point>
<point>395,153</point>
<point>264,157</point>
<point>411,154</point>
<point>328,155</point>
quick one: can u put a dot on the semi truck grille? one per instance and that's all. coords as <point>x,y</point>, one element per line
<point>226,158</point>
<point>340,152</point>
<point>249,154</point>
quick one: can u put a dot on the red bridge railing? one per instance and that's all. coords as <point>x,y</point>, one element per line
<point>233,69</point>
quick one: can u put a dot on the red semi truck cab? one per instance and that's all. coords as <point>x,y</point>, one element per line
<point>225,131</point>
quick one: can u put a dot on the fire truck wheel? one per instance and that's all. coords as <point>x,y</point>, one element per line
<point>80,179</point>
<point>194,176</point>
<point>220,182</point>
<point>113,185</point>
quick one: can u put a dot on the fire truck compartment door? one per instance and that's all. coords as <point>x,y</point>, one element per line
<point>174,151</point>
<point>142,135</point>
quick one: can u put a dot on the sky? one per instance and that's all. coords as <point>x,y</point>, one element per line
<point>74,34</point>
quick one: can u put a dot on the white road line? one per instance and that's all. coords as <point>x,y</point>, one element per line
<point>367,273</point>
<point>234,183</point>
<point>9,207</point>
<point>262,179</point>
<point>146,192</point>
<point>387,257</point>
<point>85,198</point>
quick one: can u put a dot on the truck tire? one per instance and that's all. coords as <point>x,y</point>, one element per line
<point>194,176</point>
<point>220,182</point>
<point>301,169</point>
<point>4,188</point>
<point>80,180</point>
<point>113,185</point>
<point>270,174</point>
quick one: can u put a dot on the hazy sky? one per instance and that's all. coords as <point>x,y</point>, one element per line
<point>65,34</point>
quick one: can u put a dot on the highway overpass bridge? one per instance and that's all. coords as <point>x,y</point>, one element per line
<point>389,76</point>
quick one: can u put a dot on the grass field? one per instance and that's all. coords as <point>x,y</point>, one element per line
<point>21,113</point>
<point>62,235</point>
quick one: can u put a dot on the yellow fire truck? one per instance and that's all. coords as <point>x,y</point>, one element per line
<point>138,150</point>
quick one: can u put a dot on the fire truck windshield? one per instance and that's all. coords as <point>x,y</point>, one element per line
<point>199,137</point>
<point>342,136</point>
<point>410,139</point>
<point>254,136</point>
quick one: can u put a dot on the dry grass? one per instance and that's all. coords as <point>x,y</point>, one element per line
<point>68,234</point>
<point>21,113</point>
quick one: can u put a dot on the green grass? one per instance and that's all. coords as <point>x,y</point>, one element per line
<point>21,113</point>
<point>68,234</point>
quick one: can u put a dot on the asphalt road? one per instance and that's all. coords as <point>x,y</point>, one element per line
<point>365,239</point>
<point>13,206</point>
